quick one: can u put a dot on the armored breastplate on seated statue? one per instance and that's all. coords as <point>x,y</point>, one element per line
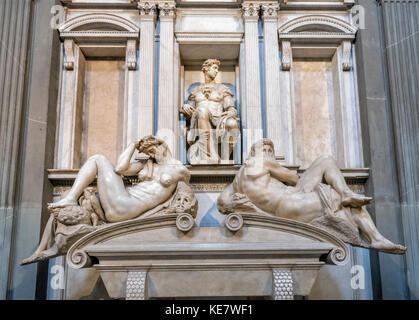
<point>212,119</point>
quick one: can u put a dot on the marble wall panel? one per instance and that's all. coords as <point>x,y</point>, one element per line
<point>103,108</point>
<point>313,101</point>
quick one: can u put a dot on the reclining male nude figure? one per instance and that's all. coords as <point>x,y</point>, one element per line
<point>278,191</point>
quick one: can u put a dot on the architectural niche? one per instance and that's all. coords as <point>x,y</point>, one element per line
<point>316,30</point>
<point>94,28</point>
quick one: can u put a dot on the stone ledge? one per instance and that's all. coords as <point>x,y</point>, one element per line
<point>206,174</point>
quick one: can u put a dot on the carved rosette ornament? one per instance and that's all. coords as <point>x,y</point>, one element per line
<point>250,10</point>
<point>167,9</point>
<point>234,222</point>
<point>270,11</point>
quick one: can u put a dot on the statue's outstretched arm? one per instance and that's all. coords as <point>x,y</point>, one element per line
<point>124,166</point>
<point>280,173</point>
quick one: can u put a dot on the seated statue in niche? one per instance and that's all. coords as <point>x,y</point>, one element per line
<point>263,186</point>
<point>211,108</point>
<point>163,188</point>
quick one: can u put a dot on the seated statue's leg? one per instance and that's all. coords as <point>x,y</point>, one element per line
<point>229,139</point>
<point>378,241</point>
<point>205,134</point>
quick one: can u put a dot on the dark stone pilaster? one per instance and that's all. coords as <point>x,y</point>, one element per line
<point>388,271</point>
<point>15,18</point>
<point>401,34</point>
<point>37,155</point>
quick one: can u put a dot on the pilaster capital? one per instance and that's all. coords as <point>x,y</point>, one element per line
<point>270,11</point>
<point>167,9</point>
<point>147,8</point>
<point>250,11</point>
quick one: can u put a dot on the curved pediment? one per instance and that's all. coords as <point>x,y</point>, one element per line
<point>317,26</point>
<point>102,22</point>
<point>157,239</point>
<point>95,25</point>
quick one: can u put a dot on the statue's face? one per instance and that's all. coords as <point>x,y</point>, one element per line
<point>157,152</point>
<point>183,202</point>
<point>268,151</point>
<point>212,71</point>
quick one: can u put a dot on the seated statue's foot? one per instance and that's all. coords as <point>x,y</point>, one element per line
<point>355,200</point>
<point>387,246</point>
<point>62,203</point>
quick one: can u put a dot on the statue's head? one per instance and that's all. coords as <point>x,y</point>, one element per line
<point>154,147</point>
<point>210,67</point>
<point>263,147</point>
<point>184,200</point>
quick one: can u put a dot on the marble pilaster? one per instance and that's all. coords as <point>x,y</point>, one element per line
<point>72,105</point>
<point>146,68</point>
<point>167,113</point>
<point>252,88</point>
<point>272,85</point>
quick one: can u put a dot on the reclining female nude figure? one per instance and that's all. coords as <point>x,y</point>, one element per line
<point>159,177</point>
<point>278,191</point>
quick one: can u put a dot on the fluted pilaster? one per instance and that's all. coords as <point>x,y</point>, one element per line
<point>272,85</point>
<point>14,29</point>
<point>253,103</point>
<point>167,113</point>
<point>401,21</point>
<point>148,10</point>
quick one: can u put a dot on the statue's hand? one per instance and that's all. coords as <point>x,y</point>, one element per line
<point>187,110</point>
<point>229,113</point>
